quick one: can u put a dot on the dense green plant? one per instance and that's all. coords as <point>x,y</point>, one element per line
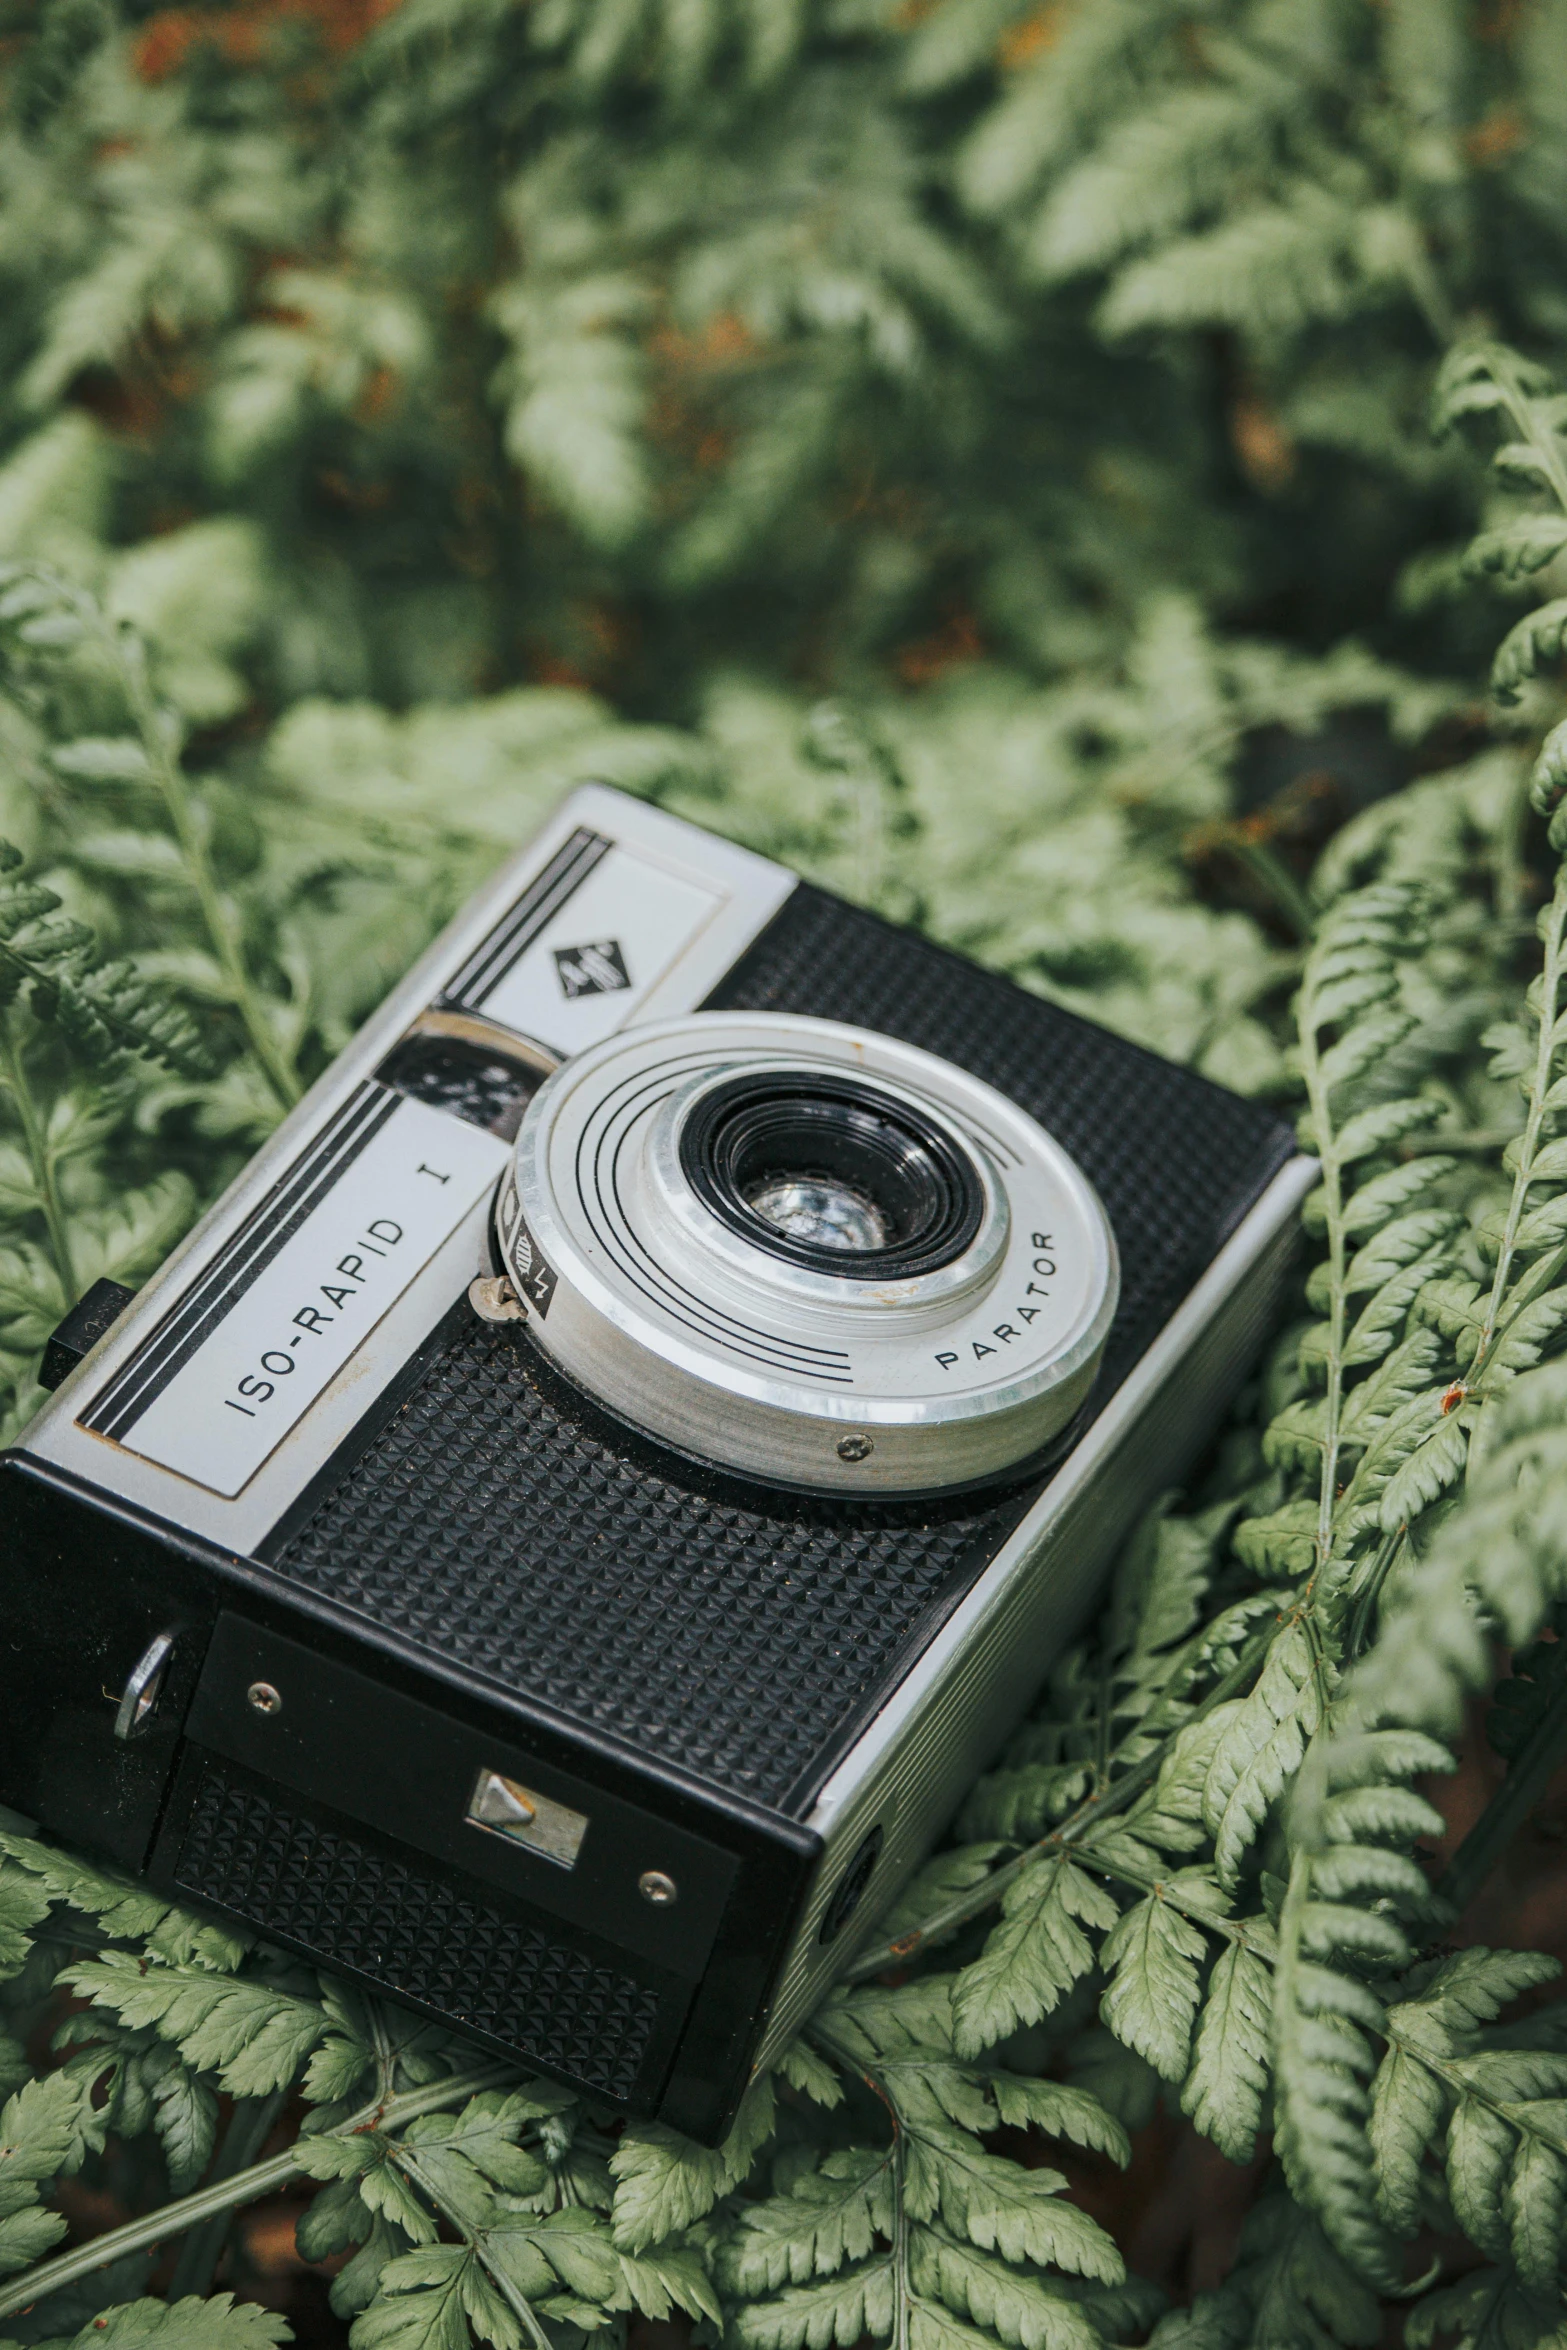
<point>983,451</point>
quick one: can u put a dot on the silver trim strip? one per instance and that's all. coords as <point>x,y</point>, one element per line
<point>951,1712</point>
<point>748,889</point>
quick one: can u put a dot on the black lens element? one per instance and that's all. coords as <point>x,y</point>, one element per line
<point>832,1174</point>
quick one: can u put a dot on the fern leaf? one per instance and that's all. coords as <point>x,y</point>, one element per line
<point>1261,1748</point>
<point>1323,2057</point>
<point>254,2038</point>
<point>41,2135</point>
<point>1385,1123</point>
<point>1021,2310</point>
<point>219,2323</point>
<point>1518,548</point>
<point>1034,1956</point>
<point>843,2309</point>
<point>425,2301</point>
<point>1150,176</point>
<point>1061,2112</point>
<point>186,2114</point>
<point>953,40</point>
<point>1431,1466</point>
<point>1534,643</point>
<point>1152,1958</point>
<point>830,2215</point>
<point>663,2183</point>
<point>1408,2108</point>
<point>1398,1243</point>
<point>997,2205</point>
<point>1548,780</point>
<point>804,2070</point>
<point>1388,1195</point>
<point>119,1907</point>
<point>1484,2311</point>
<point>1479,2158</point>
<point>102,759</point>
<point>23,1902</point>
<point>1039,116</point>
<point>1278,1545</point>
<point>1278,267</point>
<point>1017,1807</point>
<point>1226,2090</point>
<point>1536,2200</point>
<point>1498,1545</point>
<point>667,2278</point>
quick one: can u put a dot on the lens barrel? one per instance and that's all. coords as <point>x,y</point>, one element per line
<point>807,1252</point>
<point>882,1164</point>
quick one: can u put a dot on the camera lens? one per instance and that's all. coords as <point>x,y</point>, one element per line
<point>807,1252</point>
<point>832,1174</point>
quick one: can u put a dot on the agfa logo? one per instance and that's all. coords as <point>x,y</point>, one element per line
<point>598,968</point>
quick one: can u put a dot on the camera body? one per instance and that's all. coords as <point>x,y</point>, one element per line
<point>559,1538</point>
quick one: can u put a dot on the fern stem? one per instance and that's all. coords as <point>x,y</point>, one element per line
<point>1480,1142</point>
<point>1267,867</point>
<point>1540,1277</point>
<point>125,653</point>
<point>1101,1805</point>
<point>1333,1202</point>
<point>516,2300</point>
<point>904,2298</point>
<point>40,1158</point>
<point>1212,1920</point>
<point>250,2125</point>
<point>1539,1086</point>
<point>214,912</point>
<point>1371,1591</point>
<point>1531,1772</point>
<point>1512,870</point>
<point>1504,374</point>
<point>225,2195</point>
<point>902,2282</point>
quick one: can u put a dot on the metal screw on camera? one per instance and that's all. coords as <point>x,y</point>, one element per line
<point>855,1448</point>
<point>264,1698</point>
<point>655,1887</point>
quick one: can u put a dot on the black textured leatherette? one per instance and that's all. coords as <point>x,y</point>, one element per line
<point>1176,1161</point>
<point>357,1902</point>
<point>501,1523</point>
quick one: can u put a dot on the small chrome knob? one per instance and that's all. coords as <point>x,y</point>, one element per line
<point>144,1687</point>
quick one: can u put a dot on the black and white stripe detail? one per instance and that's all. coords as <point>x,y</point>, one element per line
<point>278,1216</point>
<point>522,922</point>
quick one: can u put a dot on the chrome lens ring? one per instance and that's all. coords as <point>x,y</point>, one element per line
<point>745,1246</point>
<point>808,1253</point>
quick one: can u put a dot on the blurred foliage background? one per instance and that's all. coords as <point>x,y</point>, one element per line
<point>980,452</point>
<point>463,396</point>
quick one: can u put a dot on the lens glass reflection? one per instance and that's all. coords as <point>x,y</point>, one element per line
<point>820,1211</point>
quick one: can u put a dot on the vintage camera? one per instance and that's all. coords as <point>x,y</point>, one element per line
<point>560,1537</point>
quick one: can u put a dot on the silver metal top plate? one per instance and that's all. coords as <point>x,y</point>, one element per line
<point>615,913</point>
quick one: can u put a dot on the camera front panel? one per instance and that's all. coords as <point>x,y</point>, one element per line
<point>639,1632</point>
